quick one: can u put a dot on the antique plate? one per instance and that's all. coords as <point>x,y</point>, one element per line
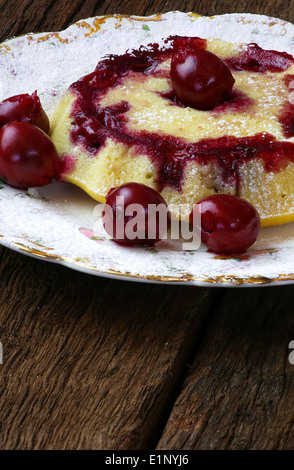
<point>59,222</point>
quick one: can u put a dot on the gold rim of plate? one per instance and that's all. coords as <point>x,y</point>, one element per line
<point>83,264</point>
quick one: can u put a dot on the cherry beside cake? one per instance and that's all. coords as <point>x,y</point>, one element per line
<point>189,118</point>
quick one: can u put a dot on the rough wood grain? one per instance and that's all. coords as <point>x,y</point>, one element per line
<point>88,363</point>
<point>22,16</point>
<point>239,392</point>
<point>93,363</point>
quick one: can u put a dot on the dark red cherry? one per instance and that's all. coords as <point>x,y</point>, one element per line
<point>200,79</point>
<point>135,214</point>
<point>229,224</point>
<point>25,108</point>
<point>28,157</point>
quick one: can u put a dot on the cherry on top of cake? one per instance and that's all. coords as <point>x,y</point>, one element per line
<point>93,124</point>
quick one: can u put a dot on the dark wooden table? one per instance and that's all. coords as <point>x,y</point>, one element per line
<point>95,363</point>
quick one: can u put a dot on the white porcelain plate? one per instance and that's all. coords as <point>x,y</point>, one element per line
<point>57,222</point>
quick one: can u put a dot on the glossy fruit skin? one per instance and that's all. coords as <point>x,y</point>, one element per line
<point>28,157</point>
<point>200,79</point>
<point>24,108</point>
<point>121,198</point>
<point>229,224</point>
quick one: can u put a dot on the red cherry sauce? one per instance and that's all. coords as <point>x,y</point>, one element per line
<point>93,124</point>
<point>237,103</point>
<point>256,59</point>
<point>67,165</point>
<point>287,115</point>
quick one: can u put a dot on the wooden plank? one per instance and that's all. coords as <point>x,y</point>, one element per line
<point>95,363</point>
<point>22,16</point>
<point>89,363</point>
<point>239,392</point>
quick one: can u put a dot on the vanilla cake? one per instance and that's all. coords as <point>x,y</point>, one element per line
<point>122,123</point>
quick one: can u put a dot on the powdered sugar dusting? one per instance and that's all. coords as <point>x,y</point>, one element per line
<point>50,62</point>
<point>56,222</point>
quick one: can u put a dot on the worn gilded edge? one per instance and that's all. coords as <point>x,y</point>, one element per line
<point>85,264</point>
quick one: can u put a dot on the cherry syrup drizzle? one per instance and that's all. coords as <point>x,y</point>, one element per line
<point>93,124</point>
